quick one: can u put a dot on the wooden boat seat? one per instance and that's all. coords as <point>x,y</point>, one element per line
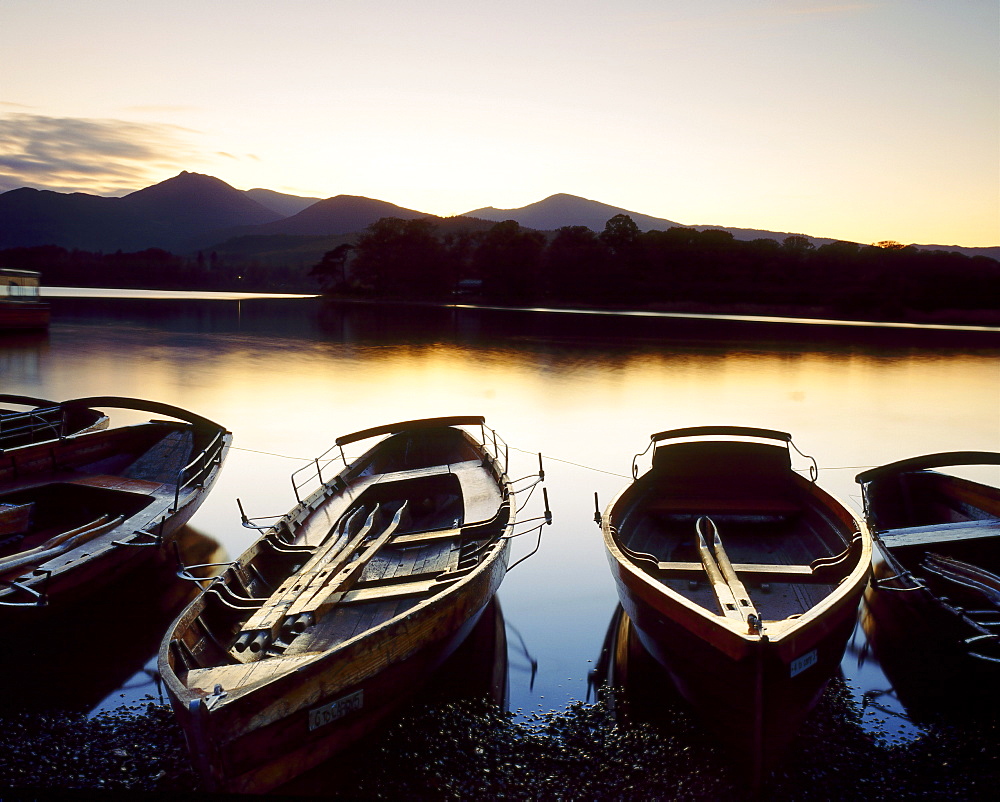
<point>127,485</point>
<point>244,675</point>
<point>398,590</point>
<point>420,538</point>
<point>934,534</point>
<point>750,572</point>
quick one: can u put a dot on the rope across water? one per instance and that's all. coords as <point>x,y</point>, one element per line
<point>547,457</point>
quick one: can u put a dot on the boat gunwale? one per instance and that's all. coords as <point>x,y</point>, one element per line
<point>943,459</point>
<point>402,426</point>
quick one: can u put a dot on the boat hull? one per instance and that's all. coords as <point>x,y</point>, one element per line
<point>805,560</point>
<point>24,316</point>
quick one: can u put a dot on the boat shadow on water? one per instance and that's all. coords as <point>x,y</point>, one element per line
<point>70,662</point>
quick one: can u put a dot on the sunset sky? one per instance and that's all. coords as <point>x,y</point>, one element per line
<point>862,121</point>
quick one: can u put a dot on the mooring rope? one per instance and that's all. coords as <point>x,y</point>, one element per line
<point>547,457</point>
<point>270,454</point>
<point>570,462</point>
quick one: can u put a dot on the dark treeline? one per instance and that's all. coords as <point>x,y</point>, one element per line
<point>622,266</point>
<point>439,260</point>
<point>154,269</point>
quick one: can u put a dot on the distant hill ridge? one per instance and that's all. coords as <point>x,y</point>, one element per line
<point>561,210</point>
<point>342,214</point>
<point>191,212</point>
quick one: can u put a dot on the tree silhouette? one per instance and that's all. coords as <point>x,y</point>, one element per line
<point>331,271</point>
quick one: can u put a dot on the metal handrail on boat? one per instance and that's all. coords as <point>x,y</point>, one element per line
<point>200,467</point>
<point>39,596</point>
<point>18,424</point>
<point>725,431</point>
<point>319,464</point>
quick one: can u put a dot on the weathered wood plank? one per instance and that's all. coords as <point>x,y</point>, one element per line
<point>480,493</point>
<point>396,590</point>
<point>748,572</point>
<point>939,533</point>
<point>243,675</point>
<point>427,537</point>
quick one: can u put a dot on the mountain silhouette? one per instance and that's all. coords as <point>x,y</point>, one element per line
<point>171,215</point>
<point>278,202</point>
<point>557,211</point>
<point>342,214</point>
<point>192,211</point>
<point>191,204</point>
<point>561,210</point>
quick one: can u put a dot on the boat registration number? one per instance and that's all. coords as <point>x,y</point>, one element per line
<point>800,664</point>
<point>337,709</point>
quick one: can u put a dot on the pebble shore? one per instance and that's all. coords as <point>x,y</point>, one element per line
<point>473,750</point>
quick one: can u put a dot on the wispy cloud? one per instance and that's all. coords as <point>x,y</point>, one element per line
<point>99,156</point>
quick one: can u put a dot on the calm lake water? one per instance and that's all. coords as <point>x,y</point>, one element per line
<point>288,375</point>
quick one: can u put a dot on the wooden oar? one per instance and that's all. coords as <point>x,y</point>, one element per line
<point>729,573</point>
<point>969,576</point>
<point>327,596</point>
<point>261,628</point>
<point>723,593</point>
<point>729,590</point>
<point>315,583</point>
<point>60,544</point>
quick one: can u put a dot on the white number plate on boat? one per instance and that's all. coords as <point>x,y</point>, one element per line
<point>336,709</point>
<point>800,664</point>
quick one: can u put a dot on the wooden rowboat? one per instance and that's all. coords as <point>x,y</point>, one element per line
<point>741,578</point>
<point>44,420</point>
<point>344,607</point>
<point>80,512</point>
<point>938,579</point>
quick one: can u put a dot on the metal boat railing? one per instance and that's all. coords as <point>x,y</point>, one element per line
<point>20,427</point>
<point>194,473</point>
<point>319,469</point>
<point>693,432</point>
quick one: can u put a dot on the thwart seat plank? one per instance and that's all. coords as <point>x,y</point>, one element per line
<point>940,533</point>
<point>748,572</point>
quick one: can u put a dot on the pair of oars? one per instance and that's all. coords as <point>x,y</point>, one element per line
<point>308,593</point>
<point>60,544</point>
<point>730,592</point>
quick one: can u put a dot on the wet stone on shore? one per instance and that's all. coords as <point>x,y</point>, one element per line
<point>470,750</point>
